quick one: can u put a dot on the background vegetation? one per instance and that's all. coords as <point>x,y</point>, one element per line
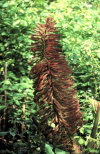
<point>78,23</point>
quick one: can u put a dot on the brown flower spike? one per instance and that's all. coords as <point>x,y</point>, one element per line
<point>59,112</point>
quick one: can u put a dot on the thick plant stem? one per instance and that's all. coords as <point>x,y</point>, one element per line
<point>23,117</point>
<point>5,94</point>
<point>95,126</point>
<point>5,76</point>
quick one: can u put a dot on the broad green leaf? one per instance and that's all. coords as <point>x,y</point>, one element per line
<point>12,133</point>
<point>7,82</point>
<point>48,149</point>
<point>2,107</point>
<point>81,141</point>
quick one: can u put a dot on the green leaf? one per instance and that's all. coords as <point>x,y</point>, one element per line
<point>12,133</point>
<point>53,125</point>
<point>17,102</point>
<point>5,5</point>
<point>82,130</point>
<point>3,133</point>
<point>24,23</point>
<point>48,149</point>
<point>81,141</point>
<point>98,54</point>
<point>2,107</point>
<point>7,82</point>
<point>58,151</point>
<point>16,22</point>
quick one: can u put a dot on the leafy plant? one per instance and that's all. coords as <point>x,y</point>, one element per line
<point>59,112</point>
<point>78,24</point>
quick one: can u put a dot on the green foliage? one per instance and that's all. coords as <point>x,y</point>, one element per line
<point>17,21</point>
<point>2,107</point>
<point>78,23</point>
<point>49,150</point>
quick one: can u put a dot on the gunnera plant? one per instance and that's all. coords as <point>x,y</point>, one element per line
<point>59,110</point>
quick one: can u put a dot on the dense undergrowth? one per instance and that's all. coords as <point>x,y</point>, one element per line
<point>78,23</point>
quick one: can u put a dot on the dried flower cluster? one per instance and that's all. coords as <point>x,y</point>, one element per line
<point>59,111</point>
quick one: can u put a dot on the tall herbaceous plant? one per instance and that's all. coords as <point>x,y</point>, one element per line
<point>59,111</point>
